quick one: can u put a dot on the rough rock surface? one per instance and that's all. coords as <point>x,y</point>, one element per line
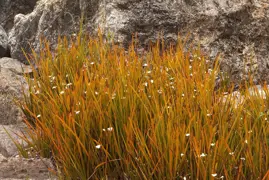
<point>3,42</point>
<point>11,87</point>
<point>238,28</point>
<point>11,83</point>
<point>49,19</point>
<point>9,8</point>
<point>20,168</point>
<point>257,91</point>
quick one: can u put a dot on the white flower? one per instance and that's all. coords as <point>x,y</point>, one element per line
<point>69,84</point>
<point>54,87</point>
<point>231,153</point>
<point>113,95</point>
<point>77,112</point>
<point>149,72</point>
<point>98,146</point>
<point>92,63</point>
<point>182,154</point>
<point>110,129</point>
<point>37,92</point>
<point>96,93</point>
<point>246,141</point>
<point>208,115</point>
<point>212,144</point>
<point>146,84</point>
<point>243,159</point>
<point>62,92</point>
<point>151,81</point>
<point>203,155</point>
<point>214,175</point>
<point>187,134</point>
<point>182,94</point>
<point>38,116</point>
<point>145,65</point>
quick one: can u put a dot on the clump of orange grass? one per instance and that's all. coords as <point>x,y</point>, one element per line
<point>103,113</point>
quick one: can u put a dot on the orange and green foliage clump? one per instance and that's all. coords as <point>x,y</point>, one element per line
<point>105,113</point>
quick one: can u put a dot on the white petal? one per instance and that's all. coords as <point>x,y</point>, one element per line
<point>214,175</point>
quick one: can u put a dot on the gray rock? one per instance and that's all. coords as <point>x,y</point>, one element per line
<point>3,42</point>
<point>7,147</point>
<point>12,167</point>
<point>49,19</point>
<point>11,87</point>
<point>14,65</point>
<point>238,29</point>
<point>16,168</point>
<point>10,113</point>
<point>256,91</point>
<point>9,8</point>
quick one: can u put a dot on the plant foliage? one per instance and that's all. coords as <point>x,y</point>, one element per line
<point>102,112</point>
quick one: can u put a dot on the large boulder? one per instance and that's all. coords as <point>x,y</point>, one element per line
<point>238,29</point>
<point>3,42</point>
<point>49,19</point>
<point>9,8</point>
<point>11,87</point>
